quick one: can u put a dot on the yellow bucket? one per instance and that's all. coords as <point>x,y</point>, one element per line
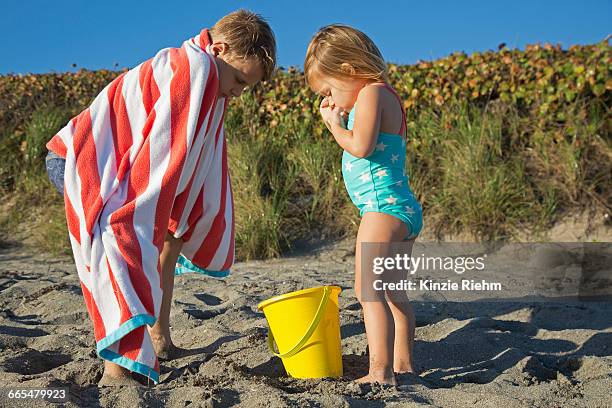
<point>306,328</point>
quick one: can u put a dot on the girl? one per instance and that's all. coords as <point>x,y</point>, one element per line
<point>345,67</point>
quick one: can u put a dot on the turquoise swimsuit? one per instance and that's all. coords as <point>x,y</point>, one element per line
<point>378,183</point>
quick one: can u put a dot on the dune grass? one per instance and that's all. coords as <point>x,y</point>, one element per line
<point>489,172</point>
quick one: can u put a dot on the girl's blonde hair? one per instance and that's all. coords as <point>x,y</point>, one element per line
<point>339,51</point>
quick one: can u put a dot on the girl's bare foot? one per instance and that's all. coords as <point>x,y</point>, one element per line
<point>405,368</point>
<point>382,377</point>
<point>406,372</point>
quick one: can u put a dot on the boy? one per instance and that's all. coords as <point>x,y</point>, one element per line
<point>144,176</point>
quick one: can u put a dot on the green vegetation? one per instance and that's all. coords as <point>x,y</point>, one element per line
<point>499,143</point>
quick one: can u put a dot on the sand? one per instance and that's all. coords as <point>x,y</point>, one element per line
<point>513,352</point>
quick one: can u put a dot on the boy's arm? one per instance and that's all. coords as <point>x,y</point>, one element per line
<point>361,141</point>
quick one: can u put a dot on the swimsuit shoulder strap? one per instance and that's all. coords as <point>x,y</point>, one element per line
<point>399,100</point>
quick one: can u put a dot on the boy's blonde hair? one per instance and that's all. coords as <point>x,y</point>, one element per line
<point>339,51</point>
<point>248,36</point>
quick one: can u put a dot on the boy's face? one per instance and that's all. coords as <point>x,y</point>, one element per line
<point>235,73</point>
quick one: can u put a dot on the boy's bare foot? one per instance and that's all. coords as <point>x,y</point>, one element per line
<point>108,381</point>
<point>171,352</point>
<point>378,377</point>
<point>115,375</point>
<point>165,349</point>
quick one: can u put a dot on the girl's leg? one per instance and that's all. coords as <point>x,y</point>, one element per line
<point>403,317</point>
<point>114,374</point>
<point>378,318</point>
<point>160,332</point>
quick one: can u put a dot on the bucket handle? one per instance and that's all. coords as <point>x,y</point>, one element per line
<point>306,336</point>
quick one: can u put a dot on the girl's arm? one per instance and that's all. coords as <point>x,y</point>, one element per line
<point>361,141</point>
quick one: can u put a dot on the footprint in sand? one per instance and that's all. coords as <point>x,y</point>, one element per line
<point>31,361</point>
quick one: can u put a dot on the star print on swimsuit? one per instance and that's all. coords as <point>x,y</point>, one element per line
<point>381,146</point>
<point>391,200</point>
<point>365,177</point>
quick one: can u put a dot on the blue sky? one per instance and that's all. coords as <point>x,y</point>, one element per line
<point>45,36</point>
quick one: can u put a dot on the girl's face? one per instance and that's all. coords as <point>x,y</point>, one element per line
<point>340,92</point>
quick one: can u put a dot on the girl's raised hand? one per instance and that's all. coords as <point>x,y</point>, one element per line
<point>325,110</point>
<point>331,114</point>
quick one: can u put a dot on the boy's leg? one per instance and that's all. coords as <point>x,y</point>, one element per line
<point>114,374</point>
<point>383,228</point>
<point>403,317</point>
<point>55,170</point>
<point>160,332</point>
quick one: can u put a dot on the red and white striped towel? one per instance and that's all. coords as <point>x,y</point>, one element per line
<point>148,156</point>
